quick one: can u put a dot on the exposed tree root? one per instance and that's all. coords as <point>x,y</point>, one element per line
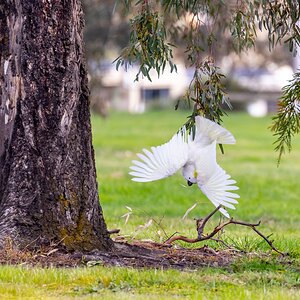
<point>200,223</point>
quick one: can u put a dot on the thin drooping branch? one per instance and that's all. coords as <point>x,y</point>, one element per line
<point>210,236</point>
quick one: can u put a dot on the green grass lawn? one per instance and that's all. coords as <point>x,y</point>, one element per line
<point>268,193</point>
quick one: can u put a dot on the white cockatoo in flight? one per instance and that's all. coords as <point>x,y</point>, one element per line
<point>197,158</point>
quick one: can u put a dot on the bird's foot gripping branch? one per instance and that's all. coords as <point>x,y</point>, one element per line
<point>201,236</point>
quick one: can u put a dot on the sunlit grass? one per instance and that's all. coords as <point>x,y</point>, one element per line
<point>251,279</point>
<point>268,193</point>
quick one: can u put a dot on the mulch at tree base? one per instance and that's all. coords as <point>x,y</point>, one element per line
<point>136,254</point>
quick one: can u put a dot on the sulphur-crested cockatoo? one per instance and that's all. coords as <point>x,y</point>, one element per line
<point>197,158</point>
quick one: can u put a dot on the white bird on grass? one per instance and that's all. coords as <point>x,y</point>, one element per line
<point>197,158</point>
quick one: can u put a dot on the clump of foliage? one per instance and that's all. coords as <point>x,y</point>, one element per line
<point>287,122</point>
<point>148,46</point>
<point>198,26</point>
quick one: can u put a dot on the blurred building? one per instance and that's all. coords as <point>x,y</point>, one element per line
<point>259,89</point>
<point>255,89</point>
<point>127,94</point>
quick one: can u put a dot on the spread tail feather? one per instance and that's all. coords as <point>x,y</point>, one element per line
<point>215,131</point>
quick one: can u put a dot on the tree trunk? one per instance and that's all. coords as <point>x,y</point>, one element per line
<point>48,188</point>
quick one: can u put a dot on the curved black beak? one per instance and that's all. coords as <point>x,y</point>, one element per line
<point>189,183</point>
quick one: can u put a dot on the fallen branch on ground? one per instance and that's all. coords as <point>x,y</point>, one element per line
<point>200,223</point>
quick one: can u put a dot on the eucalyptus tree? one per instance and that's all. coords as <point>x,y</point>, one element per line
<point>201,27</point>
<point>48,188</point>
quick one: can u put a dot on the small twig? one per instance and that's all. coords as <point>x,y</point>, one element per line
<point>202,222</point>
<point>113,231</point>
<point>165,242</point>
<point>158,223</point>
<point>268,241</point>
<point>52,245</point>
<point>60,241</point>
<point>244,223</point>
<point>200,228</point>
<point>31,243</point>
<point>224,244</point>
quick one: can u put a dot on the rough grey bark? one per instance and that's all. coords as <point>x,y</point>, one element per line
<point>48,189</point>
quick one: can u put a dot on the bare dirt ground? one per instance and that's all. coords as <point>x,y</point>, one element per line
<point>136,254</point>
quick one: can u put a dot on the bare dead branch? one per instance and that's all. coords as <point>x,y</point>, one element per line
<point>200,223</point>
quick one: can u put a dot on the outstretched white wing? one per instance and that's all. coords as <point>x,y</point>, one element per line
<point>161,161</point>
<point>214,182</point>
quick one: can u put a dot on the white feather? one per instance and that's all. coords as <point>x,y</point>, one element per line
<point>214,131</point>
<point>216,188</point>
<point>146,160</point>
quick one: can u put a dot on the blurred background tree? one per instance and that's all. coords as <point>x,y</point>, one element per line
<point>106,33</point>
